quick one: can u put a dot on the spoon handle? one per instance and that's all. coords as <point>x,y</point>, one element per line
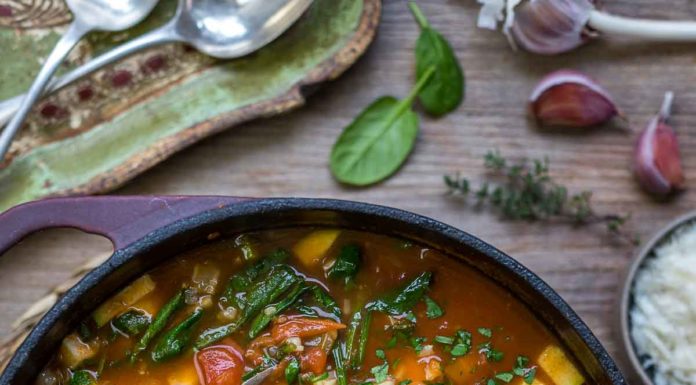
<point>162,35</point>
<point>75,32</point>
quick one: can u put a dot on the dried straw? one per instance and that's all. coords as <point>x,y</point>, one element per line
<point>23,325</point>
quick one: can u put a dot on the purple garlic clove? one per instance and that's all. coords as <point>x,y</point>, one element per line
<point>657,162</point>
<point>568,98</point>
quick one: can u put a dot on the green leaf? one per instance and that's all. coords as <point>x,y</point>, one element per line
<point>433,310</point>
<point>445,92</point>
<point>82,377</point>
<point>131,322</point>
<point>379,140</point>
<point>486,332</point>
<point>404,299</point>
<point>347,263</point>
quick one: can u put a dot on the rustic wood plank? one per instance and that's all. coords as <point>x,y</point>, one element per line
<point>287,156</point>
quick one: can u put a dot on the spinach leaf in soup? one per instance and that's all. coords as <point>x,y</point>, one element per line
<point>347,263</point>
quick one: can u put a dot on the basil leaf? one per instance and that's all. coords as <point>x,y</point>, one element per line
<point>379,140</point>
<point>445,92</point>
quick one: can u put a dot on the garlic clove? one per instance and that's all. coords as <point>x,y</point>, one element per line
<point>568,98</point>
<point>657,162</point>
<point>550,27</point>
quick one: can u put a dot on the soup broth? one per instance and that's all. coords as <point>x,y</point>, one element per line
<point>318,306</point>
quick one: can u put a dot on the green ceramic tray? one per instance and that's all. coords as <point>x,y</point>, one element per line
<point>99,133</point>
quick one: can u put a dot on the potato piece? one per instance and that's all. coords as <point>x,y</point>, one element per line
<point>312,248</point>
<point>123,300</point>
<point>554,362</point>
<point>73,351</point>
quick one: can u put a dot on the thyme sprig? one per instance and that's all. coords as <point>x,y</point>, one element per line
<point>527,191</point>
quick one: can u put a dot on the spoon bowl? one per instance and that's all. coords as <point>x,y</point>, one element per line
<point>110,15</point>
<point>224,29</point>
<point>88,15</point>
<point>234,28</point>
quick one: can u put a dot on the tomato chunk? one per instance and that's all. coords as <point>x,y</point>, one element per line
<point>219,365</point>
<point>313,359</point>
<point>304,327</point>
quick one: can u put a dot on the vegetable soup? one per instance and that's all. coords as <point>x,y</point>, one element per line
<point>311,307</point>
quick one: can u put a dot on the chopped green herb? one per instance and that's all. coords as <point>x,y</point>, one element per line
<point>433,310</point>
<point>411,317</point>
<point>459,350</point>
<point>486,332</point>
<point>491,354</point>
<point>505,376</point>
<point>380,354</point>
<point>444,340</point>
<point>522,370</point>
<point>380,372</point>
<point>521,362</point>
<point>462,343</point>
<point>490,382</point>
<point>405,382</point>
<point>417,343</point>
<point>529,377</point>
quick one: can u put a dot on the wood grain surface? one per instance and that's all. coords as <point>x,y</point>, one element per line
<point>288,156</point>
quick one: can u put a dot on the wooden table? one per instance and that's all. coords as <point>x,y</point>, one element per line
<point>288,155</point>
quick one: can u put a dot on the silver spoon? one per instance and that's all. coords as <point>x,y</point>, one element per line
<point>88,15</point>
<point>219,28</point>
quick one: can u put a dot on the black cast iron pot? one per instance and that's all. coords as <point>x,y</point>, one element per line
<point>147,230</point>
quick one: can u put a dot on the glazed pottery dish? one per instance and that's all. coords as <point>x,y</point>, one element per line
<point>657,314</point>
<point>215,290</point>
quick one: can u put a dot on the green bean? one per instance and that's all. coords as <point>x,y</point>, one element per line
<point>159,323</point>
<point>359,358</point>
<point>261,293</point>
<point>266,315</point>
<point>350,334</point>
<point>174,341</point>
<point>339,363</point>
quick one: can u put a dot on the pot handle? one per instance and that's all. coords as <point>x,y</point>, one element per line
<point>122,219</point>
